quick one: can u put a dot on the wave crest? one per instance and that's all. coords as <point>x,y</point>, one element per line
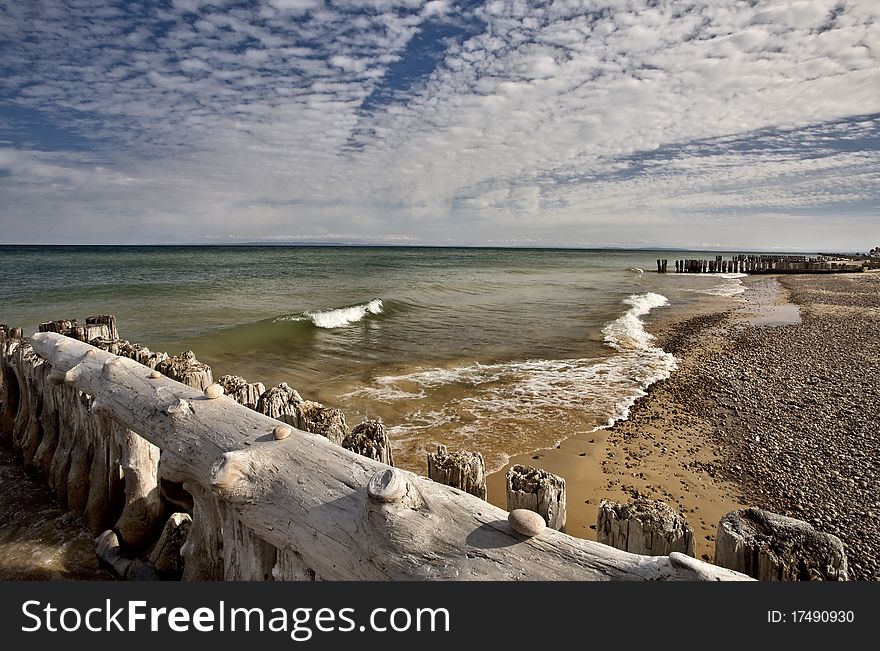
<point>337,317</point>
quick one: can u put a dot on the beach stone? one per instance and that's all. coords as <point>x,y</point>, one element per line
<point>214,391</point>
<point>280,432</point>
<point>526,522</point>
<point>155,375</point>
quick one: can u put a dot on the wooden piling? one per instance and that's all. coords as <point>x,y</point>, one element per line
<point>463,470</point>
<point>644,527</point>
<point>370,439</point>
<point>537,490</point>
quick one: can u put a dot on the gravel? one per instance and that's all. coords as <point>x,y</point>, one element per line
<point>796,408</point>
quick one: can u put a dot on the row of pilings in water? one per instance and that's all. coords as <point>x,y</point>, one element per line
<point>756,264</point>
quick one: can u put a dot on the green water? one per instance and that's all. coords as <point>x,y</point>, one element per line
<point>497,350</point>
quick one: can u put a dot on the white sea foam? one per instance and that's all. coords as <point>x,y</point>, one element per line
<point>491,400</point>
<point>628,332</point>
<point>636,270</point>
<point>339,317</point>
<point>730,285</point>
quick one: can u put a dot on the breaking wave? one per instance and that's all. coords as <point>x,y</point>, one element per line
<point>338,317</point>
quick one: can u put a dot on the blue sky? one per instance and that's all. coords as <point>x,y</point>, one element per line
<point>617,122</point>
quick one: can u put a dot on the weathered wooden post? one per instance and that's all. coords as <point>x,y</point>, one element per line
<point>240,390</point>
<point>280,402</point>
<point>166,556</point>
<point>319,419</point>
<point>187,369</point>
<point>370,439</point>
<point>537,490</point>
<point>464,470</point>
<point>772,547</point>
<point>645,527</point>
<point>108,321</point>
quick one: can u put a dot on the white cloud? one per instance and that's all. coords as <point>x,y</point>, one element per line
<point>549,121</point>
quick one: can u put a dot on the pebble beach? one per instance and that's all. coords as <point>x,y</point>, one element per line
<point>775,404</point>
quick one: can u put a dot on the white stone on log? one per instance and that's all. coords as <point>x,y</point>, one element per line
<point>526,522</point>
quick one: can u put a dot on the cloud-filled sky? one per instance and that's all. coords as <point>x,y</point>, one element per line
<point>716,123</point>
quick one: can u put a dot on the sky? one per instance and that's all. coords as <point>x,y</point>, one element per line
<point>715,124</point>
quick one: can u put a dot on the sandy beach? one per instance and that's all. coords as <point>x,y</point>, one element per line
<point>774,404</point>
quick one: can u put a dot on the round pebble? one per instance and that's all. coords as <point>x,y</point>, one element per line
<point>525,522</point>
<point>281,432</point>
<point>155,375</point>
<point>213,391</point>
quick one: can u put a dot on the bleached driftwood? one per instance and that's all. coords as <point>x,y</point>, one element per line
<point>187,369</point>
<point>346,516</point>
<point>166,556</point>
<point>370,439</point>
<point>773,547</point>
<point>141,517</point>
<point>320,419</point>
<point>644,527</point>
<point>537,490</point>
<point>464,470</point>
<point>240,390</point>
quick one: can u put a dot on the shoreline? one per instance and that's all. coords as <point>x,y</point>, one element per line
<point>713,436</point>
<point>642,455</point>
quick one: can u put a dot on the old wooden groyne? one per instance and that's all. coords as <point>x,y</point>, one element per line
<point>764,264</point>
<point>179,479</point>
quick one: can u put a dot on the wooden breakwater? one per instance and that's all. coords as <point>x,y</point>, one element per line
<point>179,479</point>
<point>764,264</point>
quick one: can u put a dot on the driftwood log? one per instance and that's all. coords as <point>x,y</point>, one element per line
<point>644,527</point>
<point>772,547</point>
<point>464,470</point>
<point>330,513</point>
<point>537,490</point>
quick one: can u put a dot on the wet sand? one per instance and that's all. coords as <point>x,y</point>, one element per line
<point>672,447</point>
